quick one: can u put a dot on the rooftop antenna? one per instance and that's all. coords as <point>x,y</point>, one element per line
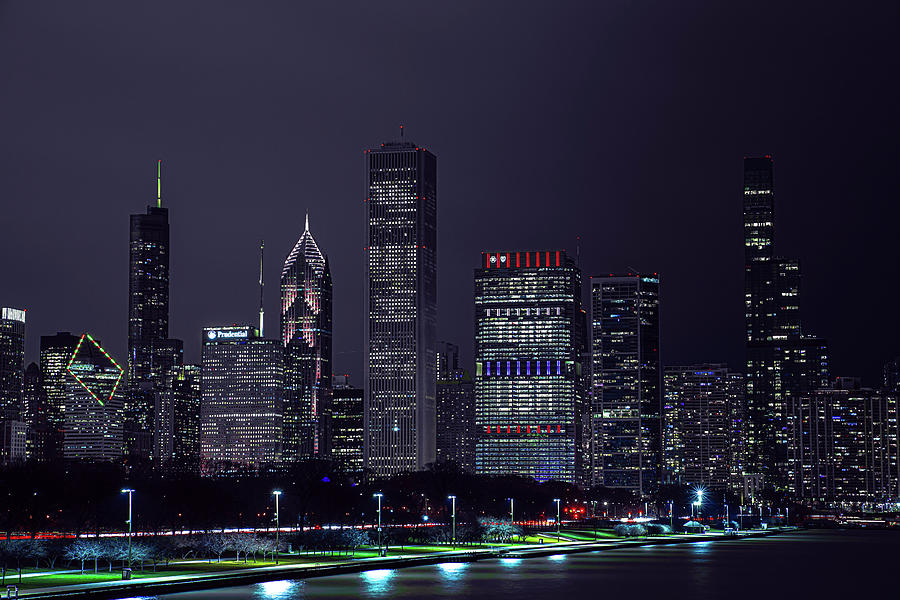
<point>159,184</point>
<point>401,130</point>
<point>262,245</point>
<point>306,226</point>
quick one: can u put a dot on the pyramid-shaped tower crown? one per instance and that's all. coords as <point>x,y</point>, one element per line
<point>307,247</point>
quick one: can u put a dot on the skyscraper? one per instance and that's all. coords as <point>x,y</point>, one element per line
<point>306,336</point>
<point>529,342</point>
<point>347,428</point>
<point>782,362</point>
<point>12,363</point>
<point>626,401</point>
<point>401,308</point>
<point>698,425</point>
<point>177,420</point>
<point>241,408</point>
<point>148,318</point>
<point>36,415</point>
<point>456,432</point>
<point>93,408</point>
<point>843,445</point>
<point>56,352</point>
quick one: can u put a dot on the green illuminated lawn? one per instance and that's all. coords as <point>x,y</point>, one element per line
<point>590,535</point>
<point>198,567</point>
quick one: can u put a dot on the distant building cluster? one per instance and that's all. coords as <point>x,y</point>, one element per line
<point>561,386</point>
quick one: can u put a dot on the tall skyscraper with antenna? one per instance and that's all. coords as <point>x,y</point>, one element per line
<point>401,308</point>
<point>306,336</point>
<point>148,320</point>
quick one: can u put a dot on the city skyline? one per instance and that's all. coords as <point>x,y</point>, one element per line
<point>550,288</point>
<point>688,203</point>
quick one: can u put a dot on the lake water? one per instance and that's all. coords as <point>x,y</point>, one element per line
<point>817,565</point>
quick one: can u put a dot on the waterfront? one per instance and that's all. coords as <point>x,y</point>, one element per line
<point>821,564</point>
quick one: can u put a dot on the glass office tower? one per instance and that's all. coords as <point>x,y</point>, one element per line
<point>347,425</point>
<point>241,408</point>
<point>401,308</point>
<point>93,407</point>
<point>12,363</point>
<point>626,382</point>
<point>148,320</point>
<point>306,293</point>
<point>456,431</point>
<point>56,351</point>
<point>782,362</point>
<point>529,342</point>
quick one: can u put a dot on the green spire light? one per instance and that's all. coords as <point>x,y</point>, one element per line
<point>159,184</point>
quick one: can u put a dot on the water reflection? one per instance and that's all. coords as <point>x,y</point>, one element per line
<point>278,590</point>
<point>744,570</point>
<point>377,582</point>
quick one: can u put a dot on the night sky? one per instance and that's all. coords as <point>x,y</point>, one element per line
<point>623,123</point>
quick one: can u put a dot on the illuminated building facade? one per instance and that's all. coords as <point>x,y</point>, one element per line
<point>401,308</point>
<point>306,293</point>
<point>177,420</point>
<point>626,401</point>
<point>699,425</point>
<point>13,442</point>
<point>456,431</point>
<point>148,320</point>
<point>36,415</point>
<point>735,391</point>
<point>93,409</point>
<point>843,445</point>
<point>56,352</point>
<point>12,362</point>
<point>529,342</point>
<point>347,420</point>
<point>782,363</point>
<point>241,406</point>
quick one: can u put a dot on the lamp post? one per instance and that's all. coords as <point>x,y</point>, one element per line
<point>512,515</point>
<point>453,501</point>
<point>557,519</point>
<point>379,495</point>
<point>130,492</point>
<point>277,494</point>
<point>699,504</point>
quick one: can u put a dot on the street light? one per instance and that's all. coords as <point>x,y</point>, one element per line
<point>453,500</point>
<point>130,492</point>
<point>557,519</point>
<point>699,503</point>
<point>512,515</point>
<point>277,494</point>
<point>379,495</point>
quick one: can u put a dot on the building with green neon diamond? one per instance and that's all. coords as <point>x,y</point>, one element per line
<point>94,406</point>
